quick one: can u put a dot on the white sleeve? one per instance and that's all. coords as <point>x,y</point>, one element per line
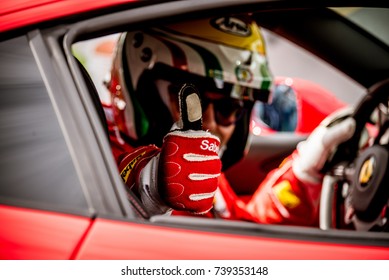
<point>148,188</point>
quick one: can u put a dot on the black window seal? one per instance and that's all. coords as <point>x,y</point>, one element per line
<point>77,131</point>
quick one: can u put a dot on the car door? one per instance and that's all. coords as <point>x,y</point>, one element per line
<point>61,196</point>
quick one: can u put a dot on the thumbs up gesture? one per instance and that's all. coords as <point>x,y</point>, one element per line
<point>189,165</point>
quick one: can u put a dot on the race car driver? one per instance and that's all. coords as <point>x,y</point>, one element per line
<point>175,167</point>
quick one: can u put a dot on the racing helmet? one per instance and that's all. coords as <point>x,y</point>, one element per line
<point>222,54</point>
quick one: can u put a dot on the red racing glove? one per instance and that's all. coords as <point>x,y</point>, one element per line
<point>189,169</point>
<point>183,174</point>
<point>189,165</point>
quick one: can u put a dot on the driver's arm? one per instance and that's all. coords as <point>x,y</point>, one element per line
<point>290,194</point>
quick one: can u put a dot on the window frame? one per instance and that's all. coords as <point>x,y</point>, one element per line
<point>76,127</point>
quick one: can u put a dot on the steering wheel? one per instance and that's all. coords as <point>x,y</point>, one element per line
<point>354,192</point>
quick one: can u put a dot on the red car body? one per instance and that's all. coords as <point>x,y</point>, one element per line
<point>33,232</point>
<point>314,103</point>
<point>21,13</point>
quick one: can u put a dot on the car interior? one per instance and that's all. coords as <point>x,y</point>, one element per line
<point>322,30</point>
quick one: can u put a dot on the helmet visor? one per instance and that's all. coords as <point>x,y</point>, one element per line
<point>206,84</point>
<point>226,110</point>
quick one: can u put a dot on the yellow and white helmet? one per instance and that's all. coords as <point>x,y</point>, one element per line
<point>222,54</point>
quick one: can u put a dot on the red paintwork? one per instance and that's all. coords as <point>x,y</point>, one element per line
<point>124,240</point>
<point>19,13</point>
<point>35,234</point>
<point>314,103</point>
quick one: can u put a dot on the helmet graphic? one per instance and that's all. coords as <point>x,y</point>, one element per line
<point>225,55</point>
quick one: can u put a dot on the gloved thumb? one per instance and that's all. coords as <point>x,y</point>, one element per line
<point>339,133</point>
<point>190,108</point>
